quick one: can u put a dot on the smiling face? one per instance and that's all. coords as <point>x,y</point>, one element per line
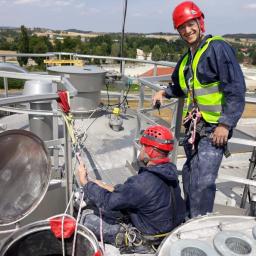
<point>190,32</point>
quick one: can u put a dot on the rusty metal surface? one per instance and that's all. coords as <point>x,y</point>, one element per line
<point>25,172</point>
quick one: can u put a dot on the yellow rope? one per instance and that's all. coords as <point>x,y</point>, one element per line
<point>69,123</point>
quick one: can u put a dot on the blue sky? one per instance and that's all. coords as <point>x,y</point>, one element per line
<point>222,16</point>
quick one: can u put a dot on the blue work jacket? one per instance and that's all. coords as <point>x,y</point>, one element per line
<point>218,63</point>
<point>146,198</point>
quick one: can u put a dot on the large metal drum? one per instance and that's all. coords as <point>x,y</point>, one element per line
<point>41,125</point>
<point>39,239</point>
<point>25,172</point>
<point>88,81</point>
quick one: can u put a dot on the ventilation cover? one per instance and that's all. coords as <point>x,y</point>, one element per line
<point>188,247</point>
<point>233,243</point>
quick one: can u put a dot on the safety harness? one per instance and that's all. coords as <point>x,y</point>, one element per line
<point>204,101</point>
<point>131,240</point>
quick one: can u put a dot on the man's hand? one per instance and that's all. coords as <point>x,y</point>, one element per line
<point>82,173</point>
<point>158,96</point>
<point>220,135</point>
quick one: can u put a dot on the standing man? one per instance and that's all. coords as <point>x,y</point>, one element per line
<point>210,78</point>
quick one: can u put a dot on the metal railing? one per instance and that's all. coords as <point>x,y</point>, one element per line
<point>56,141</point>
<point>150,82</point>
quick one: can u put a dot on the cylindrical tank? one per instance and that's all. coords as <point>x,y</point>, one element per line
<point>38,238</point>
<point>88,81</point>
<point>41,125</point>
<point>25,171</point>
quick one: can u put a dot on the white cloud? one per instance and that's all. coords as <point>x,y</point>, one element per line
<point>250,6</point>
<point>20,2</point>
<point>46,3</point>
<point>138,14</point>
<point>90,11</point>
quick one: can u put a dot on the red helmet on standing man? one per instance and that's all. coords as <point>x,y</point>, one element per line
<point>186,11</point>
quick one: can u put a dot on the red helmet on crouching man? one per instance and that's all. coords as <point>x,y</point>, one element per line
<point>157,142</point>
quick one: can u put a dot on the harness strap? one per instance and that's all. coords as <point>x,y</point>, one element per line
<point>174,207</point>
<point>194,116</point>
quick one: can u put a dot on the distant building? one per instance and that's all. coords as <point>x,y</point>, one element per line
<point>161,71</point>
<point>140,55</point>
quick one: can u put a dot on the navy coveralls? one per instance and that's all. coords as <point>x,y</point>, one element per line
<point>218,63</point>
<point>145,198</point>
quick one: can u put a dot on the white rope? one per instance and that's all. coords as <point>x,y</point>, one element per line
<point>101,232</point>
<point>77,220</point>
<point>62,224</point>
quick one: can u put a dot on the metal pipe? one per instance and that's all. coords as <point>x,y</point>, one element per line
<point>70,88</point>
<point>5,87</point>
<point>31,98</point>
<point>28,76</point>
<point>249,176</point>
<point>10,67</point>
<point>167,64</point>
<point>68,168</point>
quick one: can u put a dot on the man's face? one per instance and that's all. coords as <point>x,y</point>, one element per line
<point>190,31</point>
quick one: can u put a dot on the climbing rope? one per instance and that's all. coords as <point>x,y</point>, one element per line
<point>77,220</point>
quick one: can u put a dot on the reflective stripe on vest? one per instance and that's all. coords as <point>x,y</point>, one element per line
<point>208,97</point>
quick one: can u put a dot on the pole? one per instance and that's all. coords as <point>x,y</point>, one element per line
<point>122,38</point>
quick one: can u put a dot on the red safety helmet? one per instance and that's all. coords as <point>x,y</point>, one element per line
<point>159,137</point>
<point>186,11</point>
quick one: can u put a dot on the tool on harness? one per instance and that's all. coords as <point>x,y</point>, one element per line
<point>131,240</point>
<point>194,118</point>
<point>157,106</point>
<point>227,153</point>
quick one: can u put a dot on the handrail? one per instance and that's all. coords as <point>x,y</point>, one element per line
<point>29,76</point>
<point>162,63</point>
<point>150,82</point>
<point>27,55</point>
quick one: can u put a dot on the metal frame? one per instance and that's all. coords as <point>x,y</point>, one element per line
<point>150,82</point>
<point>55,113</point>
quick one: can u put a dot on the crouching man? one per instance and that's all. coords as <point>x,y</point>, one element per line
<point>138,214</point>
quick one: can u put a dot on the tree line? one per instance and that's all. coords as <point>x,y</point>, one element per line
<point>24,41</point>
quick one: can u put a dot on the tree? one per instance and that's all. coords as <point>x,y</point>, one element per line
<point>157,53</point>
<point>240,57</point>
<point>253,58</point>
<point>38,45</point>
<point>57,45</point>
<point>23,45</point>
<point>146,49</point>
<point>115,49</point>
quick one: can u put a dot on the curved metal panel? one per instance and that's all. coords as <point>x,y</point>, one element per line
<point>25,172</point>
<point>37,239</point>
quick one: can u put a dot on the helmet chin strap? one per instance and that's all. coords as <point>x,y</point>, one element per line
<point>156,160</point>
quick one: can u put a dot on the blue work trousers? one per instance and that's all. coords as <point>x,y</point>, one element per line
<point>199,174</point>
<point>110,227</point>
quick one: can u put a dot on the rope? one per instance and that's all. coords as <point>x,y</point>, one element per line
<point>77,220</point>
<point>69,123</point>
<point>62,224</point>
<point>194,116</point>
<point>101,232</point>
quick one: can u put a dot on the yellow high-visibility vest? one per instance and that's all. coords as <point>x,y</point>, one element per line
<point>208,97</point>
